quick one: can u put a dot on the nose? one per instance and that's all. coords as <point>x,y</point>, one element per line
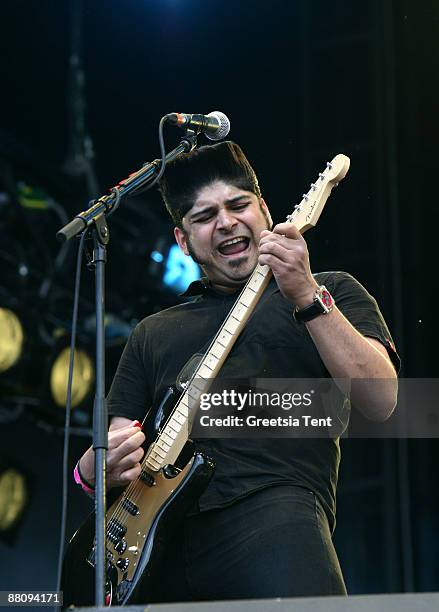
<point>225,221</point>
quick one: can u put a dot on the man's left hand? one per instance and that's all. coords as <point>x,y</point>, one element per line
<point>285,251</point>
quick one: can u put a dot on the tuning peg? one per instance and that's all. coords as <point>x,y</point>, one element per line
<point>329,165</point>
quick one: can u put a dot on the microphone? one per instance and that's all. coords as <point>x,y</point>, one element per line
<point>214,126</point>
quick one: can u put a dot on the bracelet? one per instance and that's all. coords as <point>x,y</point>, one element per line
<point>80,480</point>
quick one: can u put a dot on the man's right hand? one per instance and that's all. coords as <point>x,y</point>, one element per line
<point>124,454</point>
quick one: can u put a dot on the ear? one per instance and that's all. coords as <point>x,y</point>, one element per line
<point>267,212</point>
<point>181,238</point>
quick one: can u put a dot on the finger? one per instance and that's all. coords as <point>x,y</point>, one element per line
<point>128,475</point>
<point>126,446</point>
<point>289,244</point>
<point>122,423</point>
<point>117,436</point>
<point>287,229</point>
<point>116,466</point>
<point>277,250</point>
<point>269,236</point>
<point>277,264</point>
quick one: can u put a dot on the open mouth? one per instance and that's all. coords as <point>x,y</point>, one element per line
<point>234,246</point>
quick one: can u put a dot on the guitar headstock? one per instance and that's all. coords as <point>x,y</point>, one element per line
<point>307,213</point>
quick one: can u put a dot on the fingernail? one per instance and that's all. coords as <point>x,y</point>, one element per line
<point>137,424</point>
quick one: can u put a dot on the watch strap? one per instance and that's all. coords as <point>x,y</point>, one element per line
<point>323,303</point>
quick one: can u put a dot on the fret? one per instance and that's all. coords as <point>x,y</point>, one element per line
<point>180,418</point>
<point>156,454</point>
<point>231,325</point>
<point>205,372</point>
<point>174,426</point>
<point>217,350</point>
<point>261,271</point>
<point>239,311</point>
<point>153,464</point>
<point>224,336</point>
<point>211,361</point>
<point>167,438</point>
<point>194,395</point>
<point>183,409</point>
<point>246,298</point>
<point>170,433</point>
<point>160,442</point>
<point>183,405</point>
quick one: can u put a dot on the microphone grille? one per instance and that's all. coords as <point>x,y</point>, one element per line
<point>223,127</point>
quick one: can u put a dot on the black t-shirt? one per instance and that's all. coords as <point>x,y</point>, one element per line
<point>272,345</point>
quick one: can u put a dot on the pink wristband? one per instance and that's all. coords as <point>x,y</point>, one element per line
<point>77,476</point>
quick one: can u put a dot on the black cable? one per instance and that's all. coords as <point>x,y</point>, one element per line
<point>143,189</point>
<point>68,411</point>
<point>116,191</point>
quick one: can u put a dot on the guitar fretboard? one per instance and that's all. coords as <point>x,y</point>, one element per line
<point>171,440</point>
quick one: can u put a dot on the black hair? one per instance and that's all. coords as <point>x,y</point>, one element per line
<point>188,173</point>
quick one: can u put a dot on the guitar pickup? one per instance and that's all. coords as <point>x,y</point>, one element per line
<point>130,507</point>
<point>147,478</point>
<point>115,530</point>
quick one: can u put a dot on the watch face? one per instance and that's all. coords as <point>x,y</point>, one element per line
<point>326,298</point>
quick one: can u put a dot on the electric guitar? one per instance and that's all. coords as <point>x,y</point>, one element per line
<point>173,476</point>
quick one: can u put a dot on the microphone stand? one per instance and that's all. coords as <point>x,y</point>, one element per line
<point>95,216</point>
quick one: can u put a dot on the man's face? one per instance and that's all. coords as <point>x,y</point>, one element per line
<point>221,232</point>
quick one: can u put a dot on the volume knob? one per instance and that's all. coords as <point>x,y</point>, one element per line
<point>122,563</point>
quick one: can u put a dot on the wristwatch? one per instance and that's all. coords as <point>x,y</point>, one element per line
<point>323,304</point>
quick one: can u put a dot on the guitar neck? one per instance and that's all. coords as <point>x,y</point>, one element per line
<point>175,434</point>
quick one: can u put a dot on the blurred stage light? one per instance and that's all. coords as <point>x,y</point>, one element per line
<point>157,257</point>
<point>11,339</point>
<point>180,270</point>
<point>83,377</point>
<point>13,498</point>
<point>171,269</point>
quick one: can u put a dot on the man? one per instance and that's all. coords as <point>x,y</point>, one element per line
<point>263,526</point>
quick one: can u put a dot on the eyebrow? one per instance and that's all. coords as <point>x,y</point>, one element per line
<point>209,209</point>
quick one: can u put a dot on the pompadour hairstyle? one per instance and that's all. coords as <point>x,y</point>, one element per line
<point>187,174</point>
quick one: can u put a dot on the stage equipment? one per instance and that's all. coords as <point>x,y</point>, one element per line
<point>11,339</point>
<point>83,377</point>
<point>14,496</point>
<point>214,126</point>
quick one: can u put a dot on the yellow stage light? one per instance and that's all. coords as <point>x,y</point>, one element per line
<point>83,377</point>
<point>11,339</point>
<point>13,498</point>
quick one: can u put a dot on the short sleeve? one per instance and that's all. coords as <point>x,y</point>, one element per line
<point>361,309</point>
<point>130,395</point>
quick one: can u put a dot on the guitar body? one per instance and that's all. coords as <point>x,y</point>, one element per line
<point>136,539</point>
